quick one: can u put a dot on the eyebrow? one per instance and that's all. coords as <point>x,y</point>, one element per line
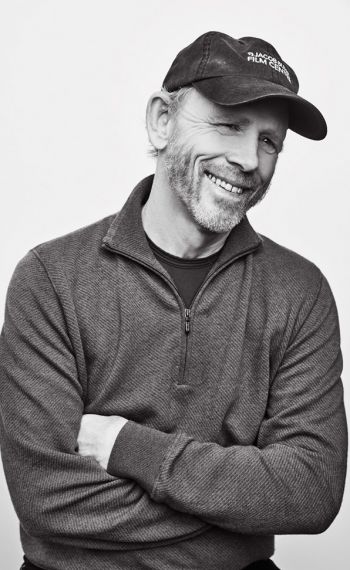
<point>244,121</point>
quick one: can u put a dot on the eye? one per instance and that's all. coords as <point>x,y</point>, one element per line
<point>228,128</point>
<point>269,145</point>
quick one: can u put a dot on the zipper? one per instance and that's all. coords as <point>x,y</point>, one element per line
<point>187,332</point>
<point>187,320</point>
<point>188,311</point>
<point>170,283</point>
<point>172,286</point>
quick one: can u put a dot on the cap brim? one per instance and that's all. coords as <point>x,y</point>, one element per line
<point>304,118</point>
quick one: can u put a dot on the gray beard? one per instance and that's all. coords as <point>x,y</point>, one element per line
<point>181,182</point>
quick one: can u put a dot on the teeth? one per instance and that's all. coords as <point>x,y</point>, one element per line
<point>225,185</point>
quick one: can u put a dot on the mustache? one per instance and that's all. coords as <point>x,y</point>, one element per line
<point>249,181</point>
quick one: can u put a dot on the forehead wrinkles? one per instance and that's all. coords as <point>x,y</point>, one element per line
<point>267,117</point>
<point>247,115</point>
<point>194,106</point>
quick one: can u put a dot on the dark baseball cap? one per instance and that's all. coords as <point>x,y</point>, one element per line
<point>233,71</point>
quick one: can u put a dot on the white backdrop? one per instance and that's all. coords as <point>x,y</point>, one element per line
<point>75,76</point>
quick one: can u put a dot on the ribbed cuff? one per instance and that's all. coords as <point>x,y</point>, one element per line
<point>138,453</point>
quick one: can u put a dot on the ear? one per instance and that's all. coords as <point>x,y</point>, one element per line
<point>158,120</point>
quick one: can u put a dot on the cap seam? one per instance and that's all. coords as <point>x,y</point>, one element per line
<point>206,54</point>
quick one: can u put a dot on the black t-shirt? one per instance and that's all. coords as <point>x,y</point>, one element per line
<point>188,274</point>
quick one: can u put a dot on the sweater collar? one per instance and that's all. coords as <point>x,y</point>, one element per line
<point>126,235</point>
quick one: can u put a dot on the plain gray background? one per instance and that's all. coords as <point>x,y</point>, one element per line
<point>75,76</point>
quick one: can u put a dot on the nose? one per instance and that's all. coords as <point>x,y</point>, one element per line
<point>243,151</point>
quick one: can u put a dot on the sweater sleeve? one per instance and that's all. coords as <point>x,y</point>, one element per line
<point>292,479</point>
<point>57,493</point>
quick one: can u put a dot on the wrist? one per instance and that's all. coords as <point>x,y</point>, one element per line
<point>114,426</point>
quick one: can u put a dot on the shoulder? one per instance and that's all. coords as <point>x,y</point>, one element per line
<point>77,252</point>
<point>291,289</point>
<point>82,241</point>
<point>281,267</point>
<point>287,282</point>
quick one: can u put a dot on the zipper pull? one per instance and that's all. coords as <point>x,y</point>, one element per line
<point>187,320</point>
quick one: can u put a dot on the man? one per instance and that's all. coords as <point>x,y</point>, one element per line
<point>170,386</point>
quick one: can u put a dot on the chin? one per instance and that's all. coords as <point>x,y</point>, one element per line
<point>218,224</point>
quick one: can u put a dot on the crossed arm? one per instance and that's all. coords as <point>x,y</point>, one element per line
<point>59,495</point>
<point>293,485</point>
<point>160,486</point>
<point>290,481</point>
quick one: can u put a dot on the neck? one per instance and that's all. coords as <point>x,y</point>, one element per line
<point>169,225</point>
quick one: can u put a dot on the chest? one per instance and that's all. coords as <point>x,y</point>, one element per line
<point>205,371</point>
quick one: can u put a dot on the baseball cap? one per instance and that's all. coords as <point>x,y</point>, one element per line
<point>231,71</point>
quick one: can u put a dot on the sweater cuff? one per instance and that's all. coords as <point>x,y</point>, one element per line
<point>138,453</point>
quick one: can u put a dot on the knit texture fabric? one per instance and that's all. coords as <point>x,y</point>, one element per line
<point>237,428</point>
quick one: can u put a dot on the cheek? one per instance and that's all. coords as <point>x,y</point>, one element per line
<point>267,165</point>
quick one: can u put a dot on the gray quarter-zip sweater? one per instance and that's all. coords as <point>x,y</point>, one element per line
<point>237,428</point>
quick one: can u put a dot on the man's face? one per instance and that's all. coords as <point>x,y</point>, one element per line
<point>220,160</point>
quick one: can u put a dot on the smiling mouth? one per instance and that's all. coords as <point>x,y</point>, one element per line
<point>224,184</point>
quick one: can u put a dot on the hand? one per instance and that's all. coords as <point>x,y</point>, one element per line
<point>97,436</point>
